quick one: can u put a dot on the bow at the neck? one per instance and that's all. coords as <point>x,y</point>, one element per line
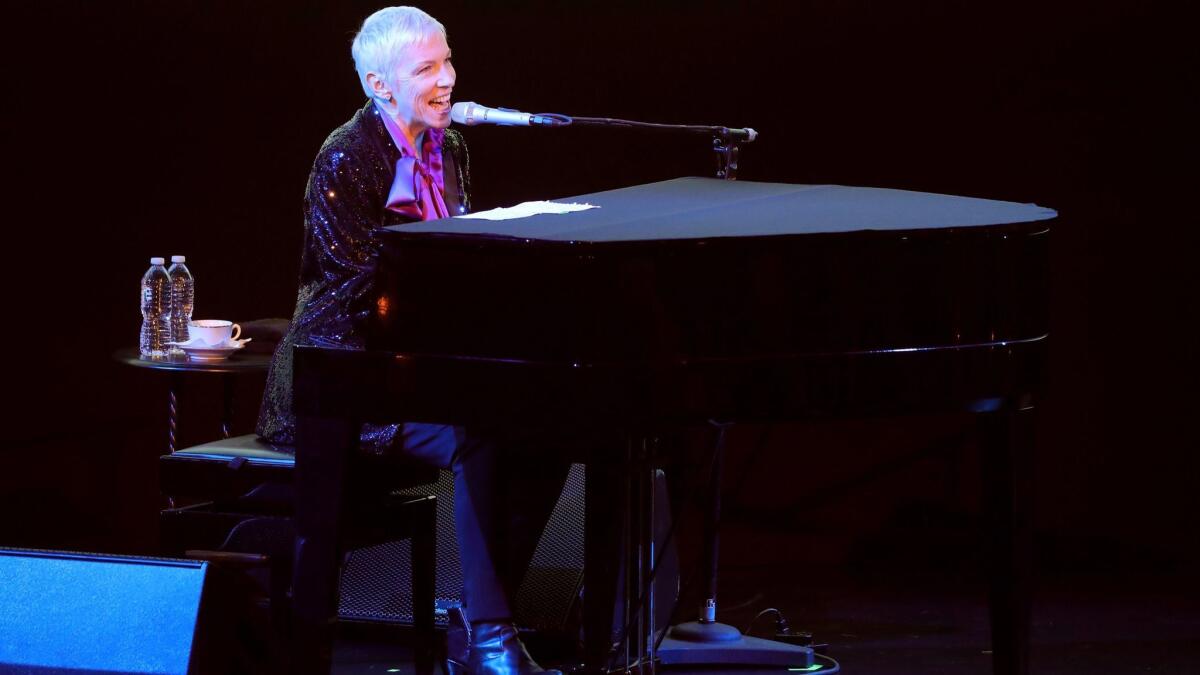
<point>418,186</point>
<point>417,191</point>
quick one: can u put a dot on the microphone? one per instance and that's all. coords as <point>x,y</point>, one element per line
<point>746,135</point>
<point>471,113</point>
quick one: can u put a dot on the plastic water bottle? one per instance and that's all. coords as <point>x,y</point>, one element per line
<point>183,297</point>
<point>156,311</point>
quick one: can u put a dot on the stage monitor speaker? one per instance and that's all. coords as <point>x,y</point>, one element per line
<point>375,581</point>
<point>83,613</point>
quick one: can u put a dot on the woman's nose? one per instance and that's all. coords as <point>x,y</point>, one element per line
<point>446,77</point>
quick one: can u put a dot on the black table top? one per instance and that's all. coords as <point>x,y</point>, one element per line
<point>237,363</point>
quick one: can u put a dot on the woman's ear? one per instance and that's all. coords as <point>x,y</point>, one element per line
<point>378,87</point>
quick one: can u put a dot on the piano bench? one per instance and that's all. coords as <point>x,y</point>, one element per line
<point>246,469</point>
<point>231,469</point>
<point>242,498</point>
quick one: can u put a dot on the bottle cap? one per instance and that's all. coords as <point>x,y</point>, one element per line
<point>178,258</point>
<point>156,261</point>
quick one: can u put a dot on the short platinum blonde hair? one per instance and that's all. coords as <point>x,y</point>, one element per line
<point>381,41</point>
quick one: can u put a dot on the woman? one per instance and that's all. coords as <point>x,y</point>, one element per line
<point>395,162</point>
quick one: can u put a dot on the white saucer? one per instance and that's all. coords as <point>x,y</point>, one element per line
<point>198,350</point>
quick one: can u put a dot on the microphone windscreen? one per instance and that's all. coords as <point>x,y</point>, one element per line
<point>461,112</point>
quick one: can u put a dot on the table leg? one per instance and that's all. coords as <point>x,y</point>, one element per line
<point>174,391</point>
<point>226,404</point>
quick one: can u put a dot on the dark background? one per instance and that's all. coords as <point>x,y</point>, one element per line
<point>157,128</point>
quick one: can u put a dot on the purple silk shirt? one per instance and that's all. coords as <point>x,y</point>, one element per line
<point>418,187</point>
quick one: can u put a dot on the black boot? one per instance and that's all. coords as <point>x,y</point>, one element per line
<point>496,650</point>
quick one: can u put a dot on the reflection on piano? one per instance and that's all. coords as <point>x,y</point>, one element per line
<point>698,299</point>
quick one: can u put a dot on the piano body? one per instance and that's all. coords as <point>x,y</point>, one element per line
<point>695,299</point>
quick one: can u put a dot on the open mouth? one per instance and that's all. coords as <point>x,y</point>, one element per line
<point>440,103</point>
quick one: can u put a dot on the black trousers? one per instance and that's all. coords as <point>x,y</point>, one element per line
<point>503,498</point>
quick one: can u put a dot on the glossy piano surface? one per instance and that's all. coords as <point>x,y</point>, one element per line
<point>696,298</point>
<point>703,268</point>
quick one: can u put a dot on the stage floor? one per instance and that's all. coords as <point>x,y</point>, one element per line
<point>934,624</point>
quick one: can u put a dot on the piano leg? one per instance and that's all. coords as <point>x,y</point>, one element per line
<point>323,446</point>
<point>1006,442</point>
<point>603,494</point>
<point>641,557</point>
<point>620,551</point>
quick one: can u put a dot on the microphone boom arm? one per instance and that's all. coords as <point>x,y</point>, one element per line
<point>726,141</point>
<point>746,135</point>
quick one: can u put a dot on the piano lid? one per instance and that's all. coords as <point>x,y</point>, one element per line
<point>703,208</point>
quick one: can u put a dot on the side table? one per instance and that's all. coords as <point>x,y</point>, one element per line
<point>178,366</point>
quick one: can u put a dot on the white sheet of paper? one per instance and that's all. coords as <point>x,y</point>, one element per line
<point>526,209</point>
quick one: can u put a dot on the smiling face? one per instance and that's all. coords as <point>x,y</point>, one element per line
<point>421,86</point>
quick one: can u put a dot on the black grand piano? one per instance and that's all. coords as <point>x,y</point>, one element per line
<point>696,300</point>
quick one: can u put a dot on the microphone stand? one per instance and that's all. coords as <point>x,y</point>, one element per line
<point>726,141</point>
<point>706,641</point>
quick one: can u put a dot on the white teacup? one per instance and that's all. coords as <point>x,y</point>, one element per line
<point>213,331</point>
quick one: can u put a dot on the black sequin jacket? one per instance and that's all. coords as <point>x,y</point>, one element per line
<point>343,212</point>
